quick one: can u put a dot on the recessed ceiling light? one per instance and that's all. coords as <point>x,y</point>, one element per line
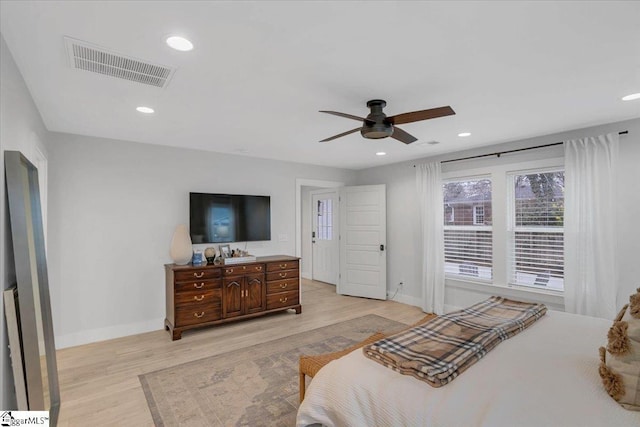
<point>631,97</point>
<point>381,153</point>
<point>463,134</point>
<point>145,110</point>
<point>179,43</point>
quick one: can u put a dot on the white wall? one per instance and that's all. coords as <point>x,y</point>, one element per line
<point>113,207</point>
<point>21,129</point>
<point>402,214</point>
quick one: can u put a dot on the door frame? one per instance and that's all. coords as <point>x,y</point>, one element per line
<point>303,182</point>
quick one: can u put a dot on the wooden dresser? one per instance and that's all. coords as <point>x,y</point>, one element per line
<point>207,295</point>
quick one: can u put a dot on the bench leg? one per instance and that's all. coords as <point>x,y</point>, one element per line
<point>302,386</point>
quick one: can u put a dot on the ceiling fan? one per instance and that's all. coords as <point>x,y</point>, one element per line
<point>377,125</point>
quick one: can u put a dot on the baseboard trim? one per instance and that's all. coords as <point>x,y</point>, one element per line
<point>102,334</point>
<point>407,299</point>
<point>449,308</point>
<point>417,302</point>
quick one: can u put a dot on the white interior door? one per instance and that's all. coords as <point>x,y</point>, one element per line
<point>324,238</point>
<point>363,239</point>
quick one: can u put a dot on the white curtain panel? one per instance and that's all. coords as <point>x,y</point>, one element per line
<point>429,186</point>
<point>591,273</point>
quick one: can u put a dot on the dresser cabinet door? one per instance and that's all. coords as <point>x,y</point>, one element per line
<point>232,292</point>
<point>254,295</point>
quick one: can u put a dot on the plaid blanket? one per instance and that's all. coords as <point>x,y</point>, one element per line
<point>444,347</point>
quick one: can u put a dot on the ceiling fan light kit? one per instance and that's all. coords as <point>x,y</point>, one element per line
<point>377,125</point>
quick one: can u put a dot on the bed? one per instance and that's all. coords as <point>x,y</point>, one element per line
<point>545,376</point>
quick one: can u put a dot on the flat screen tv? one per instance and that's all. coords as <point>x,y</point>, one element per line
<point>223,218</point>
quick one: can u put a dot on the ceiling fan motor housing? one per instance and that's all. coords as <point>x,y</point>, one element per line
<point>381,128</point>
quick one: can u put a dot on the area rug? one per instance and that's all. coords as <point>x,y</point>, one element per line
<point>252,386</point>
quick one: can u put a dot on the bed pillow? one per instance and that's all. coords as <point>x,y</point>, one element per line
<point>620,360</point>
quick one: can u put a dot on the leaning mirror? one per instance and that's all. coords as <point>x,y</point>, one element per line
<point>36,327</point>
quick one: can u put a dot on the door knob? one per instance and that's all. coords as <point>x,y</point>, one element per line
<point>382,247</point>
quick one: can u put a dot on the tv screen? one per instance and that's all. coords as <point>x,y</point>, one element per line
<point>223,218</point>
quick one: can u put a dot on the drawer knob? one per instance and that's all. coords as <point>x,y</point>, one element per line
<point>198,315</point>
<point>198,286</point>
<point>199,275</point>
<point>283,275</point>
<point>229,270</point>
<point>283,266</point>
<point>283,285</point>
<point>283,299</point>
<point>259,268</point>
<point>198,298</point>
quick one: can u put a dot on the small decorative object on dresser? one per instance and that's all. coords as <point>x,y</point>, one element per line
<point>198,257</point>
<point>225,251</point>
<point>208,295</point>
<point>181,246</point>
<point>210,254</point>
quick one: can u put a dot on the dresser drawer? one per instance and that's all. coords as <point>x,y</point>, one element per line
<point>283,299</point>
<point>286,285</point>
<point>197,274</point>
<point>282,265</point>
<point>197,313</point>
<point>198,285</point>
<point>242,269</point>
<point>281,275</point>
<point>210,296</point>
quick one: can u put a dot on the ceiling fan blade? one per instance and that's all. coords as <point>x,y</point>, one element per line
<point>341,134</point>
<point>403,136</point>
<point>416,116</point>
<point>348,116</point>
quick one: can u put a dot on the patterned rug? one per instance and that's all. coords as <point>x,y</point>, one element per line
<point>252,386</point>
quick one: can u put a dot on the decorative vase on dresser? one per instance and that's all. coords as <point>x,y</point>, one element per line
<point>181,251</point>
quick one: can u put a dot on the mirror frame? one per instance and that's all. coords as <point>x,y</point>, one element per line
<point>25,214</point>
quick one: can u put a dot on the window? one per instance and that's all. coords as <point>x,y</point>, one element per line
<point>478,215</point>
<point>536,229</point>
<point>324,230</point>
<point>468,235</point>
<point>449,214</point>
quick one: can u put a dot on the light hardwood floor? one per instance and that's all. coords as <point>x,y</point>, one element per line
<point>99,382</point>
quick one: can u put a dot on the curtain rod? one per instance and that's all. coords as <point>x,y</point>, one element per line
<point>499,153</point>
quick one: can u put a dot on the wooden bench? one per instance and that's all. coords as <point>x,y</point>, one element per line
<point>311,364</point>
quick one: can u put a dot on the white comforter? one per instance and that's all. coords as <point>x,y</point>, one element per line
<point>545,376</point>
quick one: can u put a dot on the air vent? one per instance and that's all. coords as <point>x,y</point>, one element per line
<point>88,57</point>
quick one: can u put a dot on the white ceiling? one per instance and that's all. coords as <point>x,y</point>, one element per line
<point>260,71</point>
